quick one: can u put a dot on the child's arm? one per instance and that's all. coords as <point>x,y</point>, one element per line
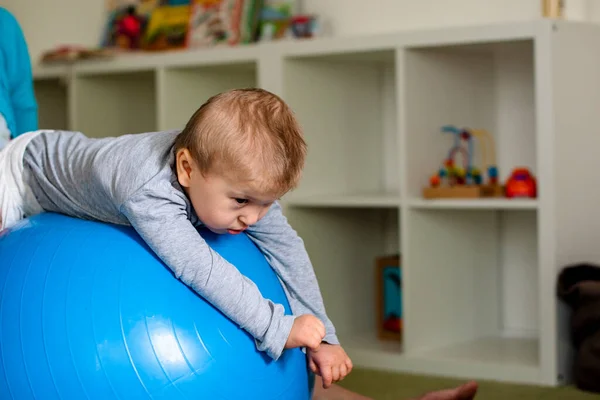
<point>162,221</point>
<point>19,76</point>
<point>285,252</point>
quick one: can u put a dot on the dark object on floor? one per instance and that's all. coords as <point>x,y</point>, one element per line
<point>579,287</point>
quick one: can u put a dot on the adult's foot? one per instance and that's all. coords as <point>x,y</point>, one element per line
<point>463,392</point>
<point>336,392</point>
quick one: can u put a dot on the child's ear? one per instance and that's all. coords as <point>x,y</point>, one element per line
<point>184,163</point>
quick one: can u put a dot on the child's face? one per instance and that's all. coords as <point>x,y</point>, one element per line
<point>222,205</point>
<point>225,207</point>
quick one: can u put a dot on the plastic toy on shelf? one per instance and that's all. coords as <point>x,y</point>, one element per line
<point>521,183</point>
<point>466,180</point>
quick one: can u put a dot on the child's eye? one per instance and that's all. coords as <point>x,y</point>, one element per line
<point>241,201</point>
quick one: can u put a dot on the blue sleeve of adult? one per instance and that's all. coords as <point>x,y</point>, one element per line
<point>26,120</point>
<point>20,76</point>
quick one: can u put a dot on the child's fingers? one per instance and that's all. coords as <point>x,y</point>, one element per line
<point>313,367</point>
<point>349,365</point>
<point>343,371</point>
<point>326,375</point>
<point>335,373</point>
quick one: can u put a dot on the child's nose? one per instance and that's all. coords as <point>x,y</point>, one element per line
<point>250,218</point>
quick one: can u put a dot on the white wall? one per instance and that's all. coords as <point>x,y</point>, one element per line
<point>376,16</point>
<point>50,23</point>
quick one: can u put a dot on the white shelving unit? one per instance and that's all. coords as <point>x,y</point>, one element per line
<point>478,275</point>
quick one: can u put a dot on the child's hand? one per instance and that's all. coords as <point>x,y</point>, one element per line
<point>307,331</point>
<point>331,362</point>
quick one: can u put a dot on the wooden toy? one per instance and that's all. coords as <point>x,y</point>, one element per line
<point>466,180</point>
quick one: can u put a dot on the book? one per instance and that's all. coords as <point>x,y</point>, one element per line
<point>223,22</point>
<point>167,28</point>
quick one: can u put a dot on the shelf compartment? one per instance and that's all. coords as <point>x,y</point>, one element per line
<point>51,96</point>
<point>185,89</point>
<point>115,104</point>
<point>486,86</point>
<point>479,280</point>
<point>354,200</point>
<point>512,360</point>
<point>351,138</point>
<point>346,271</point>
<point>515,352</point>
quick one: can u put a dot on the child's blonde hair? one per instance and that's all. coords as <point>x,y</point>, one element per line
<point>250,135</point>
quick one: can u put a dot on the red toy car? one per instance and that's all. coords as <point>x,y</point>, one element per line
<point>521,184</point>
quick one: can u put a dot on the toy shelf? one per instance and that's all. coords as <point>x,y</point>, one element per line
<point>460,296</point>
<point>478,275</point>
<point>487,86</point>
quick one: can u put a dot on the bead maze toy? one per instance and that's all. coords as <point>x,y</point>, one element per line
<point>466,181</point>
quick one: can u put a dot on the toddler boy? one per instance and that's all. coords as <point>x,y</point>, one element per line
<point>237,155</point>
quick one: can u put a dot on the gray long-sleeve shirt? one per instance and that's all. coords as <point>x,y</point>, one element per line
<point>130,180</point>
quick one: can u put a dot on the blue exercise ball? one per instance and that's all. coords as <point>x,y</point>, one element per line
<point>87,311</point>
